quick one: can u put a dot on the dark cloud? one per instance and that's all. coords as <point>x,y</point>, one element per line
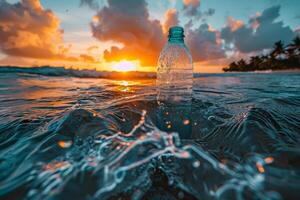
<point>191,8</point>
<point>93,4</point>
<point>209,12</point>
<point>128,23</point>
<point>204,43</point>
<point>260,33</point>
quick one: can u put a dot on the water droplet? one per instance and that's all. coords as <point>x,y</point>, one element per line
<point>269,160</point>
<point>186,122</point>
<point>196,164</point>
<point>180,195</point>
<point>260,168</point>
<point>65,144</point>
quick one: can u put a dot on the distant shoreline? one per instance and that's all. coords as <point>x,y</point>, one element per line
<point>267,71</point>
<point>281,57</point>
<point>132,75</point>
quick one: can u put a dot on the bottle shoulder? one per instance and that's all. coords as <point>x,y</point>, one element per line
<point>175,56</point>
<point>176,50</point>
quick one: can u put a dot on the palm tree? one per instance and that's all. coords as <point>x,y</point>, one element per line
<point>255,61</point>
<point>242,65</point>
<point>264,62</point>
<point>273,60</point>
<point>290,53</point>
<point>278,49</point>
<point>295,46</point>
<point>296,43</point>
<point>232,67</point>
<point>276,61</point>
<point>293,51</point>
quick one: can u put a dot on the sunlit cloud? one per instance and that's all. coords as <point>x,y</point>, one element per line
<point>144,38</point>
<point>92,48</point>
<point>234,24</point>
<point>128,23</point>
<point>28,30</point>
<point>171,19</point>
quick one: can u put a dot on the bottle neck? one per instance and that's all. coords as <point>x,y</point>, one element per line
<point>176,35</point>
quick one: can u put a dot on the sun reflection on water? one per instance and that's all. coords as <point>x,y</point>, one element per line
<point>126,86</point>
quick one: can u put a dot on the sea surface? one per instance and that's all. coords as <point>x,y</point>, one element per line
<point>64,137</point>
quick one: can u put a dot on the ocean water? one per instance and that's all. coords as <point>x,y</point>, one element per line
<point>64,137</point>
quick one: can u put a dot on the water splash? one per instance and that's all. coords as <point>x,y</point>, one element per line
<point>123,162</point>
<point>90,139</point>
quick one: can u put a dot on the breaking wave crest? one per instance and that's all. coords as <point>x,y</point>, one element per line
<point>61,71</point>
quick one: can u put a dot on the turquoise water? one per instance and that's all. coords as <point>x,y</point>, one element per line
<point>81,138</point>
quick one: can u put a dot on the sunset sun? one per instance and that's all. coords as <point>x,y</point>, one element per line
<point>125,66</point>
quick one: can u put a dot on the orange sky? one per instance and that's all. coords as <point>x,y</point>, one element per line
<point>29,42</point>
<point>129,35</point>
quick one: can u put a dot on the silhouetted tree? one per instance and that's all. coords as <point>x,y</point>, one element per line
<point>280,57</point>
<point>254,62</point>
<point>296,44</point>
<point>278,49</point>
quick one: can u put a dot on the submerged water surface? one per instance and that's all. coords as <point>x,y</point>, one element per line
<point>80,138</point>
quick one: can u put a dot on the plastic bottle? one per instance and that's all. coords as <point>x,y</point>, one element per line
<point>175,69</point>
<point>175,85</point>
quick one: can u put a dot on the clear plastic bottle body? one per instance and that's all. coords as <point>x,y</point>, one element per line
<point>175,71</point>
<point>175,86</point>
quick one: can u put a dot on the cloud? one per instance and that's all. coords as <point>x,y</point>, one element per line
<point>191,7</point>
<point>141,38</point>
<point>171,19</point>
<point>204,43</point>
<point>87,58</point>
<point>128,23</point>
<point>261,32</point>
<point>92,48</point>
<point>93,4</point>
<point>28,30</point>
<point>234,24</point>
<point>209,12</point>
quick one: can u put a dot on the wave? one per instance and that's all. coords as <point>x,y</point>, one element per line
<point>69,72</point>
<point>96,142</point>
<point>90,158</point>
<point>61,71</point>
